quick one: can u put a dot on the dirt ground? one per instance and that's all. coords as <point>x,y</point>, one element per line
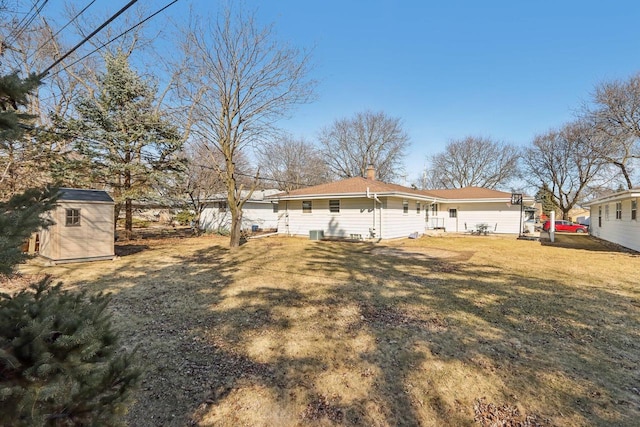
<point>475,330</point>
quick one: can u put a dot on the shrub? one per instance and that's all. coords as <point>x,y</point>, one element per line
<point>60,360</point>
<point>185,217</point>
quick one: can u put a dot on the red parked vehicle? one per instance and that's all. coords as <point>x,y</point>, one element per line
<point>566,226</point>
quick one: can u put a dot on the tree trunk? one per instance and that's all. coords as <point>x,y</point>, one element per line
<point>128,210</point>
<point>128,218</point>
<point>236,227</point>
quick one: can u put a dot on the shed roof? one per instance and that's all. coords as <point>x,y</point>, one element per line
<point>83,195</point>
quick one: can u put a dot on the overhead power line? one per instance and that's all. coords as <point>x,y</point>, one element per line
<point>87,38</point>
<point>24,22</point>
<point>62,29</point>
<point>120,35</point>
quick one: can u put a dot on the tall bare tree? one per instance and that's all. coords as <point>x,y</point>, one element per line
<point>615,111</point>
<point>292,163</point>
<point>349,145</point>
<point>201,180</point>
<point>240,81</point>
<point>566,161</point>
<point>474,161</point>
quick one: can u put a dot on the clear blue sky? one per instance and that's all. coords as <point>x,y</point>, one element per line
<point>448,69</point>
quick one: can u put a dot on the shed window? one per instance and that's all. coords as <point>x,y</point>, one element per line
<point>222,206</point>
<point>72,218</point>
<point>634,209</point>
<point>334,206</point>
<point>453,213</point>
<point>306,206</point>
<point>405,206</point>
<point>619,210</point>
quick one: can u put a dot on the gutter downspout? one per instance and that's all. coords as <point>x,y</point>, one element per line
<point>375,199</point>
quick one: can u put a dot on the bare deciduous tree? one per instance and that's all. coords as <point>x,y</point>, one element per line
<point>292,163</point>
<point>201,180</point>
<point>474,161</point>
<point>240,81</point>
<point>566,161</point>
<point>616,113</point>
<point>349,145</point>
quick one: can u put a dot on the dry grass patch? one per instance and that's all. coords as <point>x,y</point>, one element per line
<point>432,331</point>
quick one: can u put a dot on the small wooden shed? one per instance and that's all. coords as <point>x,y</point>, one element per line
<point>83,228</point>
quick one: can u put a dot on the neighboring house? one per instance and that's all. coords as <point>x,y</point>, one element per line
<point>257,212</point>
<point>579,214</point>
<point>615,218</point>
<point>83,228</point>
<point>364,208</point>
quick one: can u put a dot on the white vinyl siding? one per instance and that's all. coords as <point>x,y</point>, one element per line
<point>356,218</point>
<point>500,217</point>
<point>262,214</point>
<point>396,224</point>
<point>624,232</point>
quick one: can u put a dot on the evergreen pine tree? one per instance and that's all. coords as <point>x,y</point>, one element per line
<point>545,197</point>
<point>127,143</point>
<point>19,218</point>
<point>60,360</point>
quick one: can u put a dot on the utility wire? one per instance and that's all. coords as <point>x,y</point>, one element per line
<point>87,38</point>
<point>13,37</point>
<point>61,29</point>
<point>26,25</point>
<point>119,35</point>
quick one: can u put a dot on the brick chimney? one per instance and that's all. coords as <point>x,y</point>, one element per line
<point>371,172</point>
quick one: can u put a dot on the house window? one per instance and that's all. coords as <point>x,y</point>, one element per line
<point>418,208</point>
<point>434,209</point>
<point>634,209</point>
<point>606,212</point>
<point>306,206</point>
<point>222,206</point>
<point>334,206</point>
<point>275,207</point>
<point>600,216</point>
<point>619,210</point>
<point>453,213</point>
<point>405,206</point>
<point>72,218</point>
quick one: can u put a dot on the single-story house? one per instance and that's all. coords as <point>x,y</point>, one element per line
<point>82,230</point>
<point>257,212</point>
<point>364,208</point>
<point>615,218</point>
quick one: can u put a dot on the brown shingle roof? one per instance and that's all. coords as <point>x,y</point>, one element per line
<point>359,186</point>
<point>356,185</point>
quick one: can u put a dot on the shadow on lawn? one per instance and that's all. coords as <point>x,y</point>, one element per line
<point>520,330</point>
<point>529,331</point>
